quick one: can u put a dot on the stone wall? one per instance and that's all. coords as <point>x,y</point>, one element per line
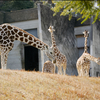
<point>64,36</point>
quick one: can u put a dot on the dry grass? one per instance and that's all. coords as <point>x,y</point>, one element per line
<point>23,85</point>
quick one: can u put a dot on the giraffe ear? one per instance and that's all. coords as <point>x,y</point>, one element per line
<point>83,32</point>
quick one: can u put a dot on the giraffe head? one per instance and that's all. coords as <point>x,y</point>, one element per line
<point>50,53</point>
<point>85,33</point>
<point>98,61</point>
<point>51,29</point>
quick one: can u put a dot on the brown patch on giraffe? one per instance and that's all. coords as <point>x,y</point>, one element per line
<point>6,49</point>
<point>11,37</point>
<point>39,46</point>
<point>9,48</point>
<point>15,30</point>
<point>9,33</point>
<point>30,42</point>
<point>2,45</point>
<point>4,34</point>
<point>34,45</point>
<point>0,29</point>
<point>9,27</point>
<point>25,35</point>
<point>12,40</point>
<point>15,38</point>
<point>5,37</point>
<point>11,44</point>
<point>1,32</point>
<point>20,34</point>
<point>12,32</point>
<point>35,40</point>
<point>30,38</point>
<point>1,41</point>
<point>5,55</point>
<point>5,42</point>
<point>4,26</point>
<point>0,37</point>
<point>57,54</point>
<point>26,40</point>
<point>40,43</point>
<point>21,38</point>
<point>16,35</point>
<point>5,29</point>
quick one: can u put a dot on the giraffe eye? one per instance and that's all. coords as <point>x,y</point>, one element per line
<point>47,47</point>
<point>50,52</point>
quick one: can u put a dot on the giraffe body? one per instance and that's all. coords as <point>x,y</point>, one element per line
<point>9,33</point>
<point>83,63</point>
<point>61,60</point>
<point>48,67</point>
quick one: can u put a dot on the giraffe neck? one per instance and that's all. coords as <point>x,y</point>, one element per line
<point>54,43</point>
<point>85,45</point>
<point>15,33</point>
<point>90,57</point>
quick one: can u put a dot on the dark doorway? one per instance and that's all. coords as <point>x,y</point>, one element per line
<point>31,58</point>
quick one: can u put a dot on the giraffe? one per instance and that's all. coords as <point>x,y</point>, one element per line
<point>60,59</point>
<point>83,63</point>
<point>48,67</point>
<point>10,33</point>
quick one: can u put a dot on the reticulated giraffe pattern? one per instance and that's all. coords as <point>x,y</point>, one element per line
<point>9,33</point>
<point>83,63</point>
<point>48,67</point>
<point>61,60</point>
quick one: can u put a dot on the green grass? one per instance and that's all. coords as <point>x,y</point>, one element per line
<point>24,85</point>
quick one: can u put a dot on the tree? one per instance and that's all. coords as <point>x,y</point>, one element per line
<point>86,8</point>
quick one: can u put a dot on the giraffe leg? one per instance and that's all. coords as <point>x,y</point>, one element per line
<point>82,71</point>
<point>87,71</point>
<point>78,70</point>
<point>59,69</point>
<point>4,56</point>
<point>54,68</point>
<point>64,69</point>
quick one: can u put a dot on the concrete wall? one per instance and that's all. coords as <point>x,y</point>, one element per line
<point>1,17</point>
<point>64,36</point>
<point>19,15</point>
<point>95,47</point>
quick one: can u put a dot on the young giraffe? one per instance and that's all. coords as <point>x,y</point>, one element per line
<point>61,60</point>
<point>48,67</point>
<point>83,63</point>
<point>9,33</point>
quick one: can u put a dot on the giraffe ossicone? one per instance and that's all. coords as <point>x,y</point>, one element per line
<point>10,33</point>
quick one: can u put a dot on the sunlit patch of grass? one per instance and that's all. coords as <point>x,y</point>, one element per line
<point>31,85</point>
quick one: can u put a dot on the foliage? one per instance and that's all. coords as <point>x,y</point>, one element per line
<point>86,8</point>
<point>16,5</point>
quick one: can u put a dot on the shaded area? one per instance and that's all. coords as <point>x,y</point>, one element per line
<point>31,58</point>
